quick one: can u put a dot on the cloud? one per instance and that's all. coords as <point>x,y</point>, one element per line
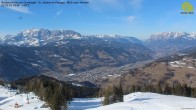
<point>59,12</point>
<point>20,9</point>
<point>129,19</point>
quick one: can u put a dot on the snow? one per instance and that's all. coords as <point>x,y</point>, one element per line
<point>177,64</point>
<point>39,37</point>
<point>115,75</point>
<point>2,37</point>
<point>76,84</point>
<point>133,101</point>
<point>84,103</point>
<point>8,100</point>
<point>70,74</point>
<point>181,54</point>
<point>182,63</point>
<point>193,35</point>
<point>137,101</point>
<point>173,35</point>
<point>34,64</point>
<point>76,37</point>
<point>55,55</point>
<point>190,67</point>
<point>110,75</point>
<point>33,42</point>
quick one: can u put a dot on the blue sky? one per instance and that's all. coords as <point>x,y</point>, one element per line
<point>138,18</point>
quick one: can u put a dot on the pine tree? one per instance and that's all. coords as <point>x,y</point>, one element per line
<point>114,94</point>
<point>106,97</point>
<point>120,94</point>
<point>137,89</point>
<point>186,90</point>
<point>132,89</point>
<point>177,89</point>
<point>167,90</point>
<point>159,89</point>
<point>193,92</point>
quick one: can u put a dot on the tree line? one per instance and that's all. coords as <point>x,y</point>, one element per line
<point>115,94</point>
<point>112,94</point>
<point>177,89</point>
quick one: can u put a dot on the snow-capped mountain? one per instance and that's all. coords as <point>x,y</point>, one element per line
<point>65,52</point>
<point>110,38</point>
<point>40,37</point>
<point>173,35</point>
<point>171,42</point>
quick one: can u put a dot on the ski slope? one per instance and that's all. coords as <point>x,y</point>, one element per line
<point>134,101</point>
<point>151,101</point>
<point>139,101</point>
<point>8,100</point>
<point>84,103</point>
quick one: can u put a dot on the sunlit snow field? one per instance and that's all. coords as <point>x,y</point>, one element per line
<point>138,101</point>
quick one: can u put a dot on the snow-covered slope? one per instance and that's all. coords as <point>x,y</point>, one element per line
<point>8,100</point>
<point>140,101</point>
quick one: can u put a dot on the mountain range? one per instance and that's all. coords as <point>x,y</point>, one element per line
<point>70,56</point>
<point>166,43</point>
<point>61,53</point>
<point>41,37</point>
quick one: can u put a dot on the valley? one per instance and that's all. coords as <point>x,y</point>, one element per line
<point>97,62</point>
<point>66,52</point>
<point>94,59</point>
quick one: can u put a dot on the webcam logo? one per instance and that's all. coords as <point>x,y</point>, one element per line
<point>187,8</point>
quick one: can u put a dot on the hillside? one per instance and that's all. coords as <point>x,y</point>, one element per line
<point>175,69</point>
